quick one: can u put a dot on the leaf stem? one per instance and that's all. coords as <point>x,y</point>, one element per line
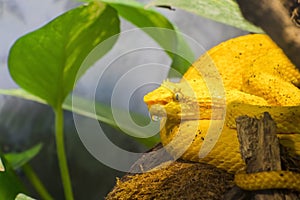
<point>36,182</point>
<point>60,148</point>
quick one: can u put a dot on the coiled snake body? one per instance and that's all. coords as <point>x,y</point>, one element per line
<point>247,75</point>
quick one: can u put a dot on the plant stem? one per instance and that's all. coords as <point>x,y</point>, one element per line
<point>36,182</point>
<point>60,148</point>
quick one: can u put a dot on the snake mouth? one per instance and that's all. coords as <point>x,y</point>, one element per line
<point>174,111</point>
<point>157,112</point>
<point>186,111</point>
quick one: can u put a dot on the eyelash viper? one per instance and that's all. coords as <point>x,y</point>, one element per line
<point>247,75</point>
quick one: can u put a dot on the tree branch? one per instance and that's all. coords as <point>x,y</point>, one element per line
<point>260,150</point>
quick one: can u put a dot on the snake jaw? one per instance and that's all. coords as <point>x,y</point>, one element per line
<point>157,112</point>
<point>159,101</point>
<point>177,111</point>
<point>165,101</point>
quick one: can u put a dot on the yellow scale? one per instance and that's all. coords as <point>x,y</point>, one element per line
<point>247,75</point>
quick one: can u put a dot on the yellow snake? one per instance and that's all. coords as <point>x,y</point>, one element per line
<point>247,75</point>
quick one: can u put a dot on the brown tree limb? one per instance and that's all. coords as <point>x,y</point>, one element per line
<point>260,149</point>
<point>276,21</point>
<point>259,144</point>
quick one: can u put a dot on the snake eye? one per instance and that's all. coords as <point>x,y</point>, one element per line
<point>178,96</point>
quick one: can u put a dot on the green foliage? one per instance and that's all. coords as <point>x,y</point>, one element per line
<point>20,93</point>
<point>164,33</point>
<point>9,181</point>
<point>17,160</point>
<point>103,113</point>
<point>224,11</point>
<point>10,184</point>
<point>46,61</point>
<point>48,91</point>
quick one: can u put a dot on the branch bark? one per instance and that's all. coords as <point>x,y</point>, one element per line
<point>260,149</point>
<point>275,20</point>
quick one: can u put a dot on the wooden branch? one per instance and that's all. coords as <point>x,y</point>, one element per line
<point>259,144</point>
<point>260,150</point>
<point>236,193</point>
<point>275,20</point>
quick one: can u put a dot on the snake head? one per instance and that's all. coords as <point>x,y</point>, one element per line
<point>172,100</point>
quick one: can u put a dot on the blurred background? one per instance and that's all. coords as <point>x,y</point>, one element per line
<point>25,123</point>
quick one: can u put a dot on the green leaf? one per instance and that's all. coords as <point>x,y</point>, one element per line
<point>165,34</point>
<point>22,94</point>
<point>10,184</point>
<point>46,62</point>
<point>224,11</point>
<point>139,16</point>
<point>17,160</point>
<point>183,58</point>
<point>23,197</point>
<point>103,114</point>
<point>159,28</point>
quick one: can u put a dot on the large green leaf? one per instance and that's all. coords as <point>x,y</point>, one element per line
<point>46,62</point>
<point>159,28</point>
<point>103,113</point>
<point>164,33</point>
<point>139,16</point>
<point>22,94</point>
<point>224,11</point>
<point>17,160</point>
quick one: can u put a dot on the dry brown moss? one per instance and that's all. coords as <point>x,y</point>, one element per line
<point>177,180</point>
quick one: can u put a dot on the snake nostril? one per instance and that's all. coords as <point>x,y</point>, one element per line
<point>157,112</point>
